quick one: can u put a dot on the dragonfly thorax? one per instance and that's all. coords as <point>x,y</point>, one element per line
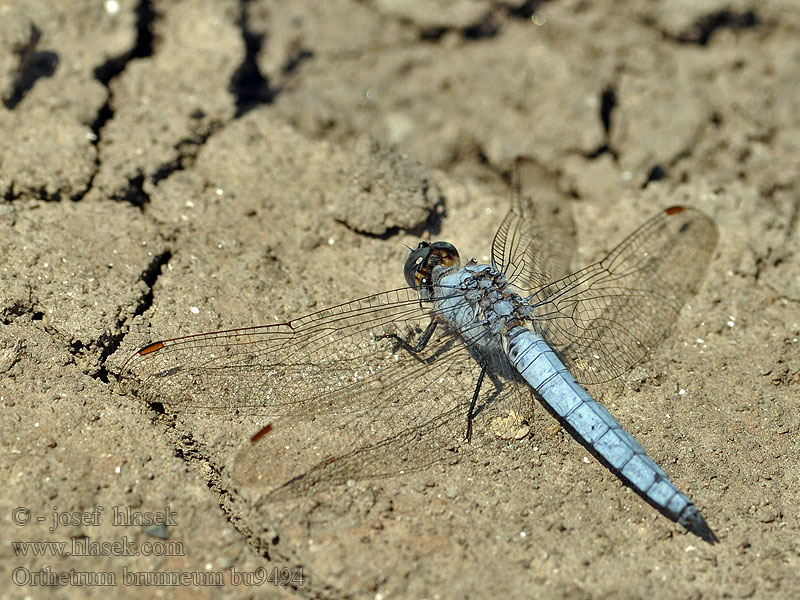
<point>478,302</point>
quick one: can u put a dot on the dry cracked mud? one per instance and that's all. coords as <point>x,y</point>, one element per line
<point>175,167</point>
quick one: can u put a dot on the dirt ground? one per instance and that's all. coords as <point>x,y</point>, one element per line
<point>171,167</point>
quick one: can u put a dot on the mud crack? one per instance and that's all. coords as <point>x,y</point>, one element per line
<point>33,65</point>
<point>190,451</point>
<point>109,70</point>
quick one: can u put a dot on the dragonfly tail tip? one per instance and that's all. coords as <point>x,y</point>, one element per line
<point>694,522</point>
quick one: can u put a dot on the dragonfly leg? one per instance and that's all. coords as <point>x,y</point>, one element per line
<point>420,345</point>
<point>472,404</point>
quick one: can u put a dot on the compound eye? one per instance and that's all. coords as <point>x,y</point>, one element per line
<point>415,265</point>
<point>422,261</point>
<point>446,254</point>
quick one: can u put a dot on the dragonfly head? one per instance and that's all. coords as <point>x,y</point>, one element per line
<point>425,258</point>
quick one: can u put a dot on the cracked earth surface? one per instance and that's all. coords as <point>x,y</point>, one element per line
<point>174,167</point>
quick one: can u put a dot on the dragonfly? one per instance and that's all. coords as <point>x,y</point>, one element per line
<point>412,376</point>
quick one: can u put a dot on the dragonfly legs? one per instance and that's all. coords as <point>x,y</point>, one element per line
<point>420,345</point>
<point>470,412</point>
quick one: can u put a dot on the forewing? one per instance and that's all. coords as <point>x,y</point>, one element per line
<point>338,359</point>
<point>607,317</point>
<point>535,242</point>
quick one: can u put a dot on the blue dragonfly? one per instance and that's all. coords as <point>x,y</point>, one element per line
<point>414,375</point>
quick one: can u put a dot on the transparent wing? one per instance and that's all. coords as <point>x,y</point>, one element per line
<point>386,409</point>
<point>535,242</point>
<point>324,357</point>
<point>435,439</point>
<point>606,317</point>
